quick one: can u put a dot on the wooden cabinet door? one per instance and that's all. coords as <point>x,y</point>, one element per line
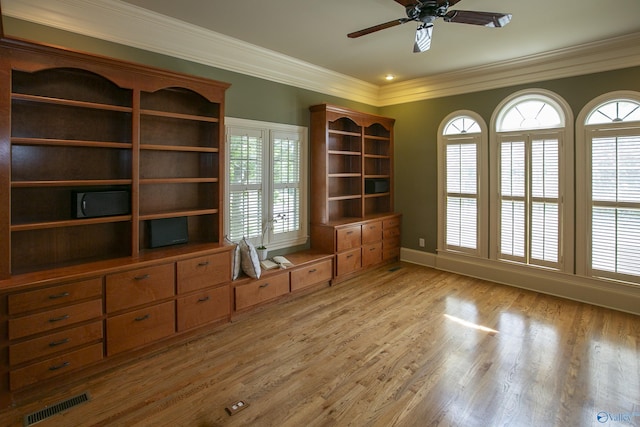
<point>204,307</point>
<point>348,238</point>
<point>348,262</point>
<point>311,275</point>
<point>261,290</point>
<point>371,254</point>
<point>371,232</point>
<point>141,286</point>
<point>203,272</point>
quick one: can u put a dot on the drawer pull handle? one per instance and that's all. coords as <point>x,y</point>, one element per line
<point>60,342</point>
<point>60,366</point>
<point>141,318</point>
<point>313,270</point>
<point>349,232</point>
<point>264,285</point>
<point>62,295</point>
<point>372,249</point>
<point>144,276</point>
<point>204,299</point>
<point>58,319</point>
<point>350,256</point>
<point>203,264</point>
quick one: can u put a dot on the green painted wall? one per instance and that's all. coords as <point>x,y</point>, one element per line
<point>416,123</point>
<point>416,140</point>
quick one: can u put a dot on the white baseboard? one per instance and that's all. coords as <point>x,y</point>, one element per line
<point>616,295</point>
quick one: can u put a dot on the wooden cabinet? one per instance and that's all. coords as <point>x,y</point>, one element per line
<point>310,275</point>
<point>74,123</point>
<point>139,327</point>
<point>352,164</point>
<point>255,292</point>
<point>352,188</point>
<point>140,286</point>
<point>359,245</point>
<point>53,331</point>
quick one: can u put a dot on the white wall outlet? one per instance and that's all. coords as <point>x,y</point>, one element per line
<point>421,242</point>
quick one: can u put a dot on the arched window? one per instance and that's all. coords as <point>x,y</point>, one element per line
<point>461,205</point>
<point>609,189</point>
<point>530,178</point>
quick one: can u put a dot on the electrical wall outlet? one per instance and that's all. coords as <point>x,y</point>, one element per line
<point>421,242</point>
<point>236,407</point>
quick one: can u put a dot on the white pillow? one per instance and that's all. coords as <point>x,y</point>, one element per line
<point>235,262</point>
<point>250,261</point>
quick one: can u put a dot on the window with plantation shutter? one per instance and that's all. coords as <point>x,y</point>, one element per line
<point>612,190</point>
<point>266,187</point>
<point>245,148</point>
<point>460,204</point>
<point>529,210</point>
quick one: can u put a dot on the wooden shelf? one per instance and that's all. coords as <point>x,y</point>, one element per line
<point>69,102</point>
<point>69,223</point>
<point>69,143</point>
<point>173,214</point>
<point>70,183</point>
<point>179,116</point>
<point>149,181</point>
<point>158,147</point>
<point>344,153</point>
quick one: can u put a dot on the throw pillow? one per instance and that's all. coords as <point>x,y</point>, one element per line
<point>250,260</point>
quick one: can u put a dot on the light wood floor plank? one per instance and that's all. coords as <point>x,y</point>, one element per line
<point>378,350</point>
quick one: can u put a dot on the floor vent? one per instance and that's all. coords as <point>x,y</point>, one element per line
<point>49,411</point>
<point>395,268</point>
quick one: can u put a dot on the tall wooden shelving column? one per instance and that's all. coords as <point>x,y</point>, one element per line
<point>352,188</point>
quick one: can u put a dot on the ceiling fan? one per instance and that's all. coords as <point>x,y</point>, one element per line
<point>426,12</point>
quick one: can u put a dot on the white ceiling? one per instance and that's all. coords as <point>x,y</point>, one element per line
<point>315,31</point>
<point>303,43</point>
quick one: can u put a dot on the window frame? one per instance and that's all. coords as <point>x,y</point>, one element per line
<point>481,141</point>
<point>565,178</point>
<point>584,199</point>
<point>269,132</point>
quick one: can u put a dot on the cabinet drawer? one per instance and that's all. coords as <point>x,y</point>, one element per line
<point>372,232</point>
<point>390,253</point>
<point>203,272</point>
<point>261,290</point>
<point>204,307</point>
<point>391,222</point>
<point>54,343</point>
<point>54,319</point>
<point>136,287</point>
<point>140,327</point>
<point>348,262</point>
<point>348,238</point>
<point>371,254</point>
<point>391,233</point>
<point>55,366</point>
<point>316,273</point>
<point>391,242</point>
<point>55,295</point>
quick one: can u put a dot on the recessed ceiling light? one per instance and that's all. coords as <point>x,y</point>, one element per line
<point>389,77</point>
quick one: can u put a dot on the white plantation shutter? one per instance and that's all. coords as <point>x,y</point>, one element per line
<point>545,217</point>
<point>266,185</point>
<point>286,152</point>
<point>512,200</point>
<point>615,203</point>
<point>245,183</point>
<point>462,194</point>
<point>529,199</point>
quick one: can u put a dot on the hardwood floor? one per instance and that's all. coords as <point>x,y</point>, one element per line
<point>410,346</point>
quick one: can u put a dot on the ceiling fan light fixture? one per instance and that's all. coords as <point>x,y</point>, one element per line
<point>389,77</point>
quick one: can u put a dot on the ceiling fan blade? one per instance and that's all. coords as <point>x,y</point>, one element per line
<point>487,19</point>
<point>423,38</point>
<point>378,28</point>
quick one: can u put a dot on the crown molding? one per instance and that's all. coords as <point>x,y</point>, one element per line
<point>612,54</point>
<point>126,24</point>
<point>133,26</point>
